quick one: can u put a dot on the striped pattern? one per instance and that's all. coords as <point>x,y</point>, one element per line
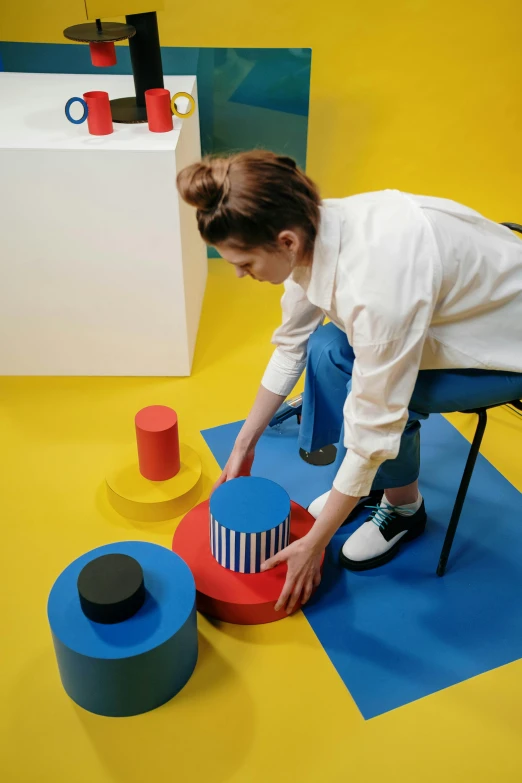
<point>245,552</point>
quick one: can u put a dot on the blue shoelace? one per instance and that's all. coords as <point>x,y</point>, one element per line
<point>383,515</point>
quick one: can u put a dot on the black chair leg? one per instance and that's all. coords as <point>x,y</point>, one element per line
<point>463,489</point>
<point>513,226</point>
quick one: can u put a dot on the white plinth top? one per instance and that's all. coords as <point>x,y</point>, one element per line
<point>32,112</point>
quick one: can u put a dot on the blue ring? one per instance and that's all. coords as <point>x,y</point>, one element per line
<point>68,110</point>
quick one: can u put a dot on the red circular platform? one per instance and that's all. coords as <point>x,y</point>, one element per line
<point>245,599</point>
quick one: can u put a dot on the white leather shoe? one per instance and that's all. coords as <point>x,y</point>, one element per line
<point>379,538</point>
<point>317,505</point>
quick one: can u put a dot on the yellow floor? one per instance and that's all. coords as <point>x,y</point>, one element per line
<point>265,703</point>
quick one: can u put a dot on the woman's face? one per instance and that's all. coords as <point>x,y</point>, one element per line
<point>264,265</point>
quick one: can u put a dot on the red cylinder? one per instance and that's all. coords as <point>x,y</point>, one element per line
<point>103,54</point>
<point>159,113</point>
<point>158,442</point>
<point>99,118</point>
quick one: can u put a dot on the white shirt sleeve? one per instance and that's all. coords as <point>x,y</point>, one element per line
<point>300,320</point>
<point>388,302</point>
<point>376,410</point>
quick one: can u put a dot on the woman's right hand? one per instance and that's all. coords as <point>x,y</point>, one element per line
<point>242,456</point>
<point>239,464</point>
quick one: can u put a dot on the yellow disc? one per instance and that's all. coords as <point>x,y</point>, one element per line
<point>136,497</point>
<point>191,101</point>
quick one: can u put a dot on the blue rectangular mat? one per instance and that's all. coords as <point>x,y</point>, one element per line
<point>399,633</point>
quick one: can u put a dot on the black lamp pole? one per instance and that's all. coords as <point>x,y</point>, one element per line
<point>145,54</point>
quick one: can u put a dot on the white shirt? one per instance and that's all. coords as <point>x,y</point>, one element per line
<point>416,283</point>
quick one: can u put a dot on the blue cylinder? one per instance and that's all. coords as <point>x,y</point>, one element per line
<point>136,665</point>
<point>249,523</point>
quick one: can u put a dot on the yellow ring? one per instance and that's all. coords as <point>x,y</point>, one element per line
<point>191,101</point>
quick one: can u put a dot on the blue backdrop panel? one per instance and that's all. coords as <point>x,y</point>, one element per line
<point>136,665</point>
<point>399,633</point>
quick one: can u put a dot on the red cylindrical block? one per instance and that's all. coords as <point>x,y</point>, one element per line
<point>158,442</point>
<point>103,54</point>
<point>99,118</point>
<point>159,113</point>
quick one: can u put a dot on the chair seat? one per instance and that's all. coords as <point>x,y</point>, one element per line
<point>515,403</point>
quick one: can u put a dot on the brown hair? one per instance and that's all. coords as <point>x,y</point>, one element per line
<point>248,198</point>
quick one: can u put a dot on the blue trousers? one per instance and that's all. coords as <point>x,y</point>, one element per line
<point>328,381</point>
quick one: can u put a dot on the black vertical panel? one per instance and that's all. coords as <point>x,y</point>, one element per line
<point>145,54</point>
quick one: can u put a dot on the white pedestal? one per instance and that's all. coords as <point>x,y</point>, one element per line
<point>102,270</point>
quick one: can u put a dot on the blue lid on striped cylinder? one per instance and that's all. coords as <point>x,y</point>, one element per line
<point>249,522</point>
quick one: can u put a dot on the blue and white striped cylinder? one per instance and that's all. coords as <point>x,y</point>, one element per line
<point>249,523</point>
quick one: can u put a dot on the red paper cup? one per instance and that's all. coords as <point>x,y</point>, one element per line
<point>103,54</point>
<point>159,113</point>
<point>99,118</point>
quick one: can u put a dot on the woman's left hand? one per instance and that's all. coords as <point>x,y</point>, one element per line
<point>303,575</point>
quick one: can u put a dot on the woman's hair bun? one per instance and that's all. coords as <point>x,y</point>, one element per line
<point>290,162</point>
<point>205,185</point>
<point>249,198</point>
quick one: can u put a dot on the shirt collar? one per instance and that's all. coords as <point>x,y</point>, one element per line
<point>319,281</point>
